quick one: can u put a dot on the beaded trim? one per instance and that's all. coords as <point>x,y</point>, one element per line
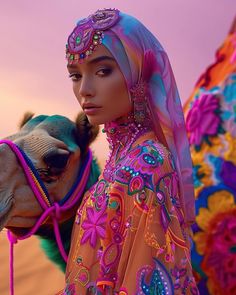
<point>139,97</point>
<point>88,34</point>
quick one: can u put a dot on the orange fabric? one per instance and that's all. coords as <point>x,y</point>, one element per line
<point>219,70</point>
<point>136,243</point>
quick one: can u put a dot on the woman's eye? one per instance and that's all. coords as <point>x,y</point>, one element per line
<point>75,77</point>
<point>104,72</point>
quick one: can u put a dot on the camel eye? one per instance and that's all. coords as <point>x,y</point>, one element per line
<point>57,160</point>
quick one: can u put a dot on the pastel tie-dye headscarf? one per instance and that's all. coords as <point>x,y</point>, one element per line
<point>140,56</point>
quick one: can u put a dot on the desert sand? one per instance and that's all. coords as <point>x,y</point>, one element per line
<point>34,274</point>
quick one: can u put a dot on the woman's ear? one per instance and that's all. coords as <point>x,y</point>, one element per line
<point>26,117</point>
<point>85,132</point>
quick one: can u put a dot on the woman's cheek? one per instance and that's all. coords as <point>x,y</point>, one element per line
<point>76,93</point>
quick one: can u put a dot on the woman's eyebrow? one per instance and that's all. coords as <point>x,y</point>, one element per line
<point>101,58</point>
<point>94,61</point>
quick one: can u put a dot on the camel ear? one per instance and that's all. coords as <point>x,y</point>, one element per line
<point>86,133</point>
<point>26,117</point>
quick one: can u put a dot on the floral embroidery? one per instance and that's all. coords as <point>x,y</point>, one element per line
<point>100,195</point>
<point>115,212</point>
<point>215,241</point>
<point>220,259</point>
<point>94,226</point>
<point>111,253</point>
<point>214,162</point>
<point>203,119</point>
<point>100,188</point>
<point>218,203</point>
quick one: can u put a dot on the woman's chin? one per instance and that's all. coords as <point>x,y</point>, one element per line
<point>100,120</point>
<point>97,120</point>
<point>93,120</point>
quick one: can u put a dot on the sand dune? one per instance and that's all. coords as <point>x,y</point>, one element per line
<point>34,273</point>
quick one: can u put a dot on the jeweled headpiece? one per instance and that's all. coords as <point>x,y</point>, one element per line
<point>88,34</point>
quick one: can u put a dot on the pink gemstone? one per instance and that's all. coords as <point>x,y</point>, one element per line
<point>160,197</point>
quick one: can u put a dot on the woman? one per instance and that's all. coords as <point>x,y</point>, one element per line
<point>131,232</point>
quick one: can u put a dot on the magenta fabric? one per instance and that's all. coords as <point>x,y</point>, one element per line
<point>140,56</point>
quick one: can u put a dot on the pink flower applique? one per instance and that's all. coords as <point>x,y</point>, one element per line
<point>94,226</point>
<point>202,120</point>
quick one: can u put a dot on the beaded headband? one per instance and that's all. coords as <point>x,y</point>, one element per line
<point>88,34</point>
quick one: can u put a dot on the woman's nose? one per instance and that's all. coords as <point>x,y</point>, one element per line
<point>86,87</point>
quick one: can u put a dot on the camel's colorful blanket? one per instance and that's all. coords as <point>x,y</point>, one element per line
<point>211,123</point>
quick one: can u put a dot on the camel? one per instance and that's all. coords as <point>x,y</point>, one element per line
<point>56,146</point>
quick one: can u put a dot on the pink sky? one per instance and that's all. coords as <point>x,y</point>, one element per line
<point>33,35</point>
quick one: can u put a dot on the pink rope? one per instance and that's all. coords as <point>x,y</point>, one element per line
<point>13,241</point>
<point>54,211</point>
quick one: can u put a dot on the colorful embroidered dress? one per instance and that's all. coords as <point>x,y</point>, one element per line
<point>128,236</point>
<point>131,233</point>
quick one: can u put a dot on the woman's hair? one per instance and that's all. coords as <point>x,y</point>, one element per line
<point>143,61</point>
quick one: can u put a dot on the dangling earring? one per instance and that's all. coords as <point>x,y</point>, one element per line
<point>139,98</point>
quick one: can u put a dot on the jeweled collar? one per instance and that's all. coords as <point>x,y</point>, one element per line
<point>123,131</point>
<point>121,135</point>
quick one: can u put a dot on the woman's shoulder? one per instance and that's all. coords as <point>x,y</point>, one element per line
<point>144,165</point>
<point>152,144</point>
<point>148,157</point>
<point>151,151</point>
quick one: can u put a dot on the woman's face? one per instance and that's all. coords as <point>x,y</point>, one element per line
<point>100,87</point>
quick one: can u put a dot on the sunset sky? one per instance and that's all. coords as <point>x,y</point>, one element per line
<point>33,34</point>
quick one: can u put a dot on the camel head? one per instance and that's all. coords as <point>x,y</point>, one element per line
<point>56,146</point>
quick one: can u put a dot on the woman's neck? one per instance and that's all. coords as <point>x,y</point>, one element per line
<point>121,134</point>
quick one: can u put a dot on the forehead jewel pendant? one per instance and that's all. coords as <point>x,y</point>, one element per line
<point>88,34</point>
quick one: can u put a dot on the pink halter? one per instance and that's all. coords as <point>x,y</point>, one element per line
<point>50,210</point>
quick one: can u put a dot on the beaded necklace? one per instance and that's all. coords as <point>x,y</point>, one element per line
<point>121,135</point>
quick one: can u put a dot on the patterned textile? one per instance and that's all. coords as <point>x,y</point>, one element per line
<point>211,123</point>
<point>129,236</point>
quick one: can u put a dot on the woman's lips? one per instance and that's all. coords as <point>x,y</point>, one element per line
<point>91,110</point>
